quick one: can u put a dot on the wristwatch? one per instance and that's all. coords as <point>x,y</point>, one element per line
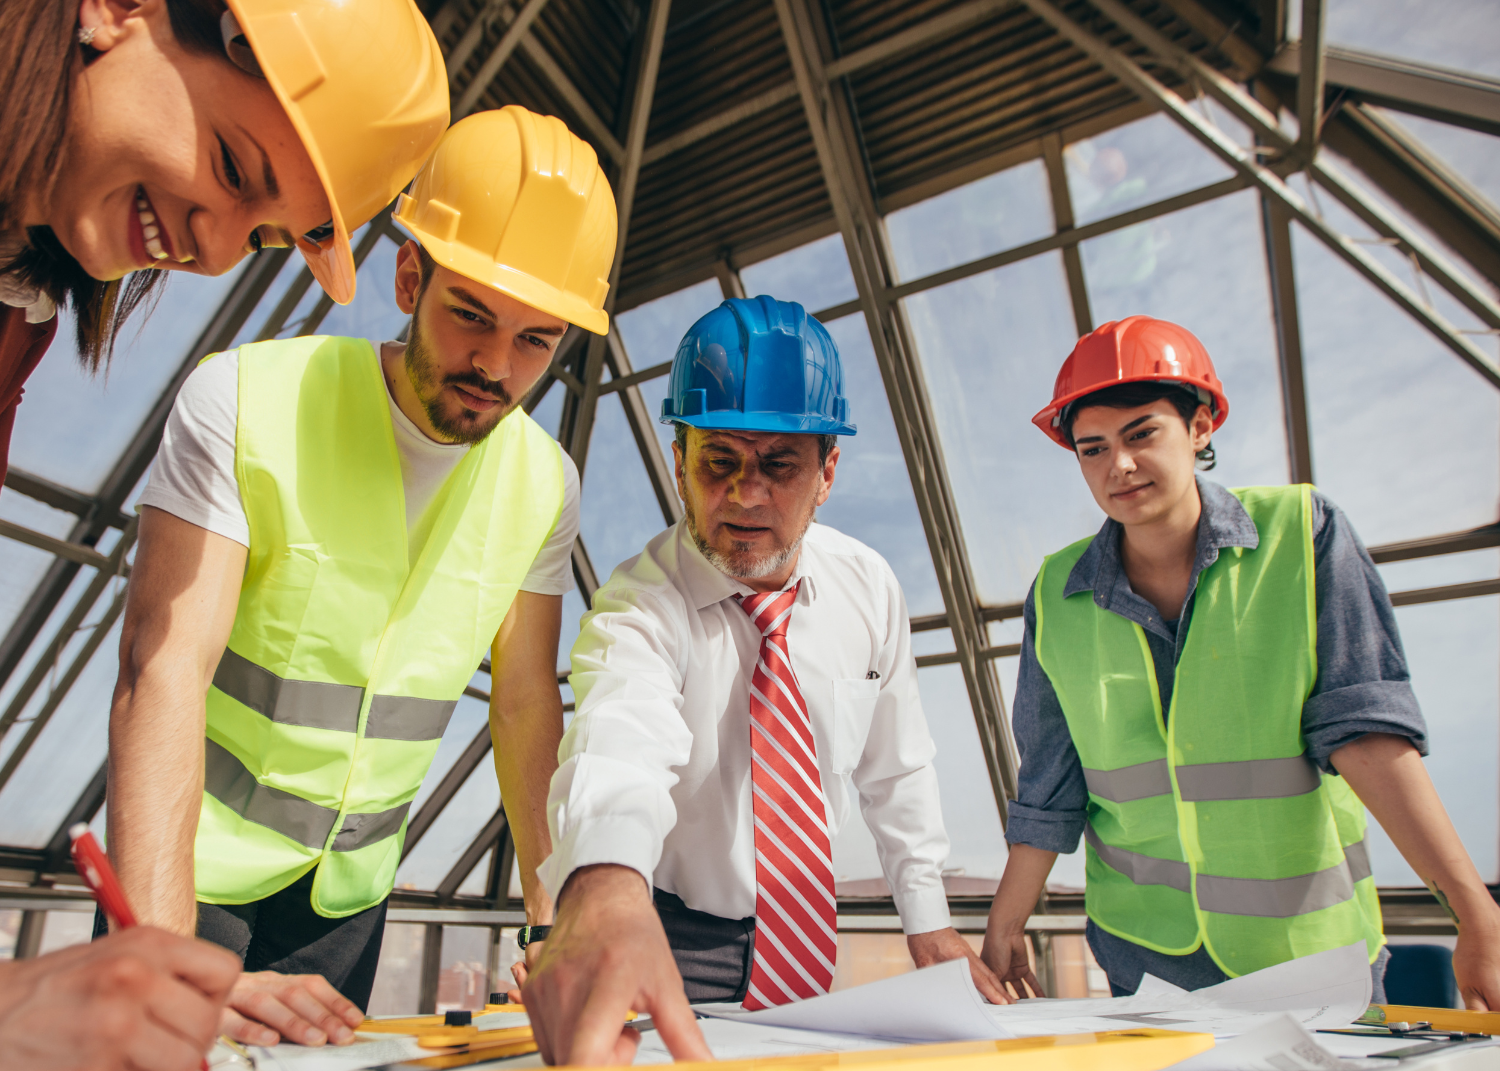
<point>529,935</point>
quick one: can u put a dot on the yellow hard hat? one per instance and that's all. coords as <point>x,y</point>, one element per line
<point>515,201</point>
<point>365,87</point>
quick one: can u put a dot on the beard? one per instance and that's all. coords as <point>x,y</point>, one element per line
<point>450,419</point>
<point>742,561</point>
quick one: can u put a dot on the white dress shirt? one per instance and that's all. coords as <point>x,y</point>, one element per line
<point>655,767</point>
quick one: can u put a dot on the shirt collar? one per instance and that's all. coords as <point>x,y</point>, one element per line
<point>705,586</point>
<point>13,292</point>
<point>1223,523</point>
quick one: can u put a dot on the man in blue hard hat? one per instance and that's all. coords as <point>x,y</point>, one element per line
<point>728,680</point>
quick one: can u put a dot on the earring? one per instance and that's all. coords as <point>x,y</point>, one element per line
<point>86,35</point>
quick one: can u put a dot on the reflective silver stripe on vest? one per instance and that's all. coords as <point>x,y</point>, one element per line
<point>1141,869</point>
<point>362,830</point>
<point>319,705</point>
<point>229,781</point>
<point>1275,898</point>
<point>400,717</point>
<point>1254,779</point>
<point>1357,855</point>
<point>1130,782</point>
<point>315,704</point>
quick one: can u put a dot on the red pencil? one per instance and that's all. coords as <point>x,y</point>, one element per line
<point>93,867</point>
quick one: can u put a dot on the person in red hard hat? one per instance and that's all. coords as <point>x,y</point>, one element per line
<point>1212,690</point>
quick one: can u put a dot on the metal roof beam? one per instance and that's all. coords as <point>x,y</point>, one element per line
<point>1459,97</point>
<point>57,496</point>
<point>638,415</point>
<point>520,26</point>
<point>1276,224</point>
<point>1263,125</point>
<point>847,183</point>
<point>913,37</point>
<point>1310,78</point>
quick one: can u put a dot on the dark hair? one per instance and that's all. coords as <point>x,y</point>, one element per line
<point>826,443</point>
<point>1134,395</point>
<point>40,59</point>
<point>425,266</point>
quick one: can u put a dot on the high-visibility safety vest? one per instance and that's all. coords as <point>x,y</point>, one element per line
<point>1212,827</point>
<point>346,660</point>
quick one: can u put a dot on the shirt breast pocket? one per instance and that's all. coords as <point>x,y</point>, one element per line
<point>853,709</point>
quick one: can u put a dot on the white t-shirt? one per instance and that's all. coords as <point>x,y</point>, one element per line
<point>193,476</point>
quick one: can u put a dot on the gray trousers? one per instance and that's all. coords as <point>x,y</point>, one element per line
<point>713,954</point>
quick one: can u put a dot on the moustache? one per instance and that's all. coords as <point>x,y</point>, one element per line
<point>493,388</point>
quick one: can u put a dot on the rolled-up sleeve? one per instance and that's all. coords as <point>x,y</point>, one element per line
<point>1363,685</point>
<point>1051,801</point>
<point>611,797</point>
<point>897,785</point>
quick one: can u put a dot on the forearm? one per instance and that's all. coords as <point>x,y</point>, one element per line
<point>526,737</point>
<point>1388,775</point>
<point>156,791</point>
<point>1026,870</point>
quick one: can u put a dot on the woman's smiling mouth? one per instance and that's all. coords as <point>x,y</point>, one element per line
<point>153,232</point>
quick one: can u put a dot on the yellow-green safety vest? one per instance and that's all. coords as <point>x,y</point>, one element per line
<point>1212,827</point>
<point>346,660</point>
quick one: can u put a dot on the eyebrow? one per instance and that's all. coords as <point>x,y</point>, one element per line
<point>267,172</point>
<point>1127,427</point>
<point>468,298</point>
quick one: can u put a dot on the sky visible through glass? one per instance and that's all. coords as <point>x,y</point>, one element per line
<point>1406,438</point>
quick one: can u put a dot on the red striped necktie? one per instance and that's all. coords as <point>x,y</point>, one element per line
<point>796,936</point>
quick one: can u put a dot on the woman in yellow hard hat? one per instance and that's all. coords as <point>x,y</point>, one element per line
<point>184,134</point>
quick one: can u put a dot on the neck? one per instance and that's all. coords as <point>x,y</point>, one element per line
<point>1168,543</point>
<point>398,383</point>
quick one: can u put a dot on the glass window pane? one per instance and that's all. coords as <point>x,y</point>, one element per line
<point>373,313</point>
<point>468,719</point>
<point>398,979</point>
<point>25,565</point>
<point>112,404</point>
<point>1375,376</point>
<point>1440,569</point>
<point>998,212</point>
<point>872,498</point>
<point>464,978</point>
<point>1205,268</point>
<point>991,346</point>
<point>651,333</point>
<point>65,929</point>
<point>1447,33</point>
<point>977,855</point>
<point>1141,163</point>
<point>66,754</point>
<point>437,852</point>
<point>10,925</point>
<point>618,513</point>
<point>1451,648</point>
<point>816,275</point>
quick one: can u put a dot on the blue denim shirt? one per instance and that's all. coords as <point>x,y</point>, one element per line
<point>1362,687</point>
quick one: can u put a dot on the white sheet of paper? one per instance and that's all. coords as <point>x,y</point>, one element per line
<point>732,1040</point>
<point>933,1004</point>
<point>361,1054</point>
<point>1279,1044</point>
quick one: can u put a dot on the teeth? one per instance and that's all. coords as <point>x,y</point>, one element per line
<point>149,230</point>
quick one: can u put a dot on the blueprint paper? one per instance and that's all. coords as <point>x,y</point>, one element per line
<point>937,1003</point>
<point>1279,1044</point>
<point>731,1040</point>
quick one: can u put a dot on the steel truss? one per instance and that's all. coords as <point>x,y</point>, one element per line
<point>1394,163</point>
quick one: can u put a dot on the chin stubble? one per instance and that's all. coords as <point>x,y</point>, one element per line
<point>740,563</point>
<point>427,384</point>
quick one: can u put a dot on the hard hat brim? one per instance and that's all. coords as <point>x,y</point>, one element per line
<point>525,288</point>
<point>331,262</point>
<point>1044,419</point>
<point>782,423</point>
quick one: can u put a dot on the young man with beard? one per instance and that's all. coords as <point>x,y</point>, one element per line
<point>334,534</point>
<point>728,680</point>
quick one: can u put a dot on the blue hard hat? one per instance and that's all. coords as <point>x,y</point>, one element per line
<point>758,364</point>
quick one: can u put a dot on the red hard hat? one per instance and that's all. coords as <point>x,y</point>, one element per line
<point>1137,349</point>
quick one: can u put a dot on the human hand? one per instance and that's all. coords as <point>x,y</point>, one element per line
<point>939,946</point>
<point>1476,956</point>
<point>606,956</point>
<point>142,999</point>
<point>1006,955</point>
<point>266,1006</point>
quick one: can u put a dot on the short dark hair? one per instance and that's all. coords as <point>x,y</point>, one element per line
<point>826,443</point>
<point>425,266</point>
<point>1134,395</point>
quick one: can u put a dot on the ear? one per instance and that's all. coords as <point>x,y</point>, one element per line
<point>111,20</point>
<point>828,467</point>
<point>1202,428</point>
<point>408,277</point>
